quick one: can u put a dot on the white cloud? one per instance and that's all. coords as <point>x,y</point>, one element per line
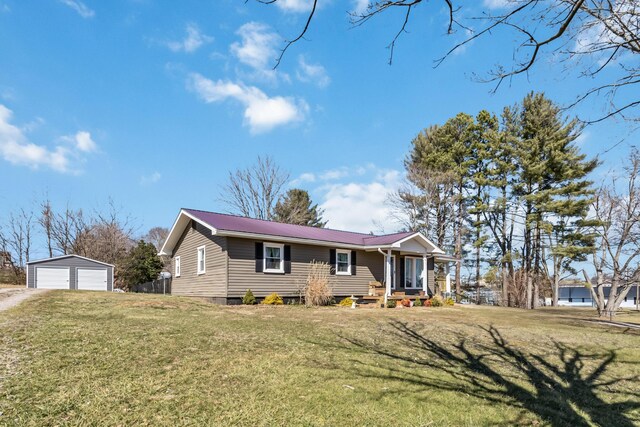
<point>192,41</point>
<point>16,148</point>
<point>582,139</point>
<point>362,207</point>
<point>262,113</point>
<point>257,48</point>
<point>309,177</point>
<point>296,6</point>
<point>360,6</point>
<point>334,174</point>
<point>150,179</point>
<point>82,141</point>
<point>304,177</point>
<point>312,73</point>
<point>497,4</point>
<point>79,7</point>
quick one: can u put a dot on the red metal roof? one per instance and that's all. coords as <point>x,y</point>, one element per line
<point>257,226</point>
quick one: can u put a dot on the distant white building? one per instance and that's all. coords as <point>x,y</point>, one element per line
<point>580,296</point>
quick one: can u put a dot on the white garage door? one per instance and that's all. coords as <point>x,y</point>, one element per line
<point>52,278</point>
<point>92,280</point>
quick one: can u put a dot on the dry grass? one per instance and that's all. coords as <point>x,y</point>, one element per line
<point>79,358</point>
<point>318,290</point>
<point>11,286</point>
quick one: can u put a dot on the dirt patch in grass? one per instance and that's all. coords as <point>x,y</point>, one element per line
<point>126,359</point>
<point>152,304</point>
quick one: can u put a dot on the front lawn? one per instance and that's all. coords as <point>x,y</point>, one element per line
<point>81,358</point>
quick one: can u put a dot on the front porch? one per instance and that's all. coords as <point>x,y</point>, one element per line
<point>409,270</point>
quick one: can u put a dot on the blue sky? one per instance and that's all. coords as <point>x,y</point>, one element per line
<point>152,104</point>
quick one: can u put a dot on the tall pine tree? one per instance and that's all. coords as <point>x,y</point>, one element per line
<point>552,188</point>
<point>295,207</point>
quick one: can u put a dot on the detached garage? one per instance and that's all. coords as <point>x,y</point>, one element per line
<point>70,272</point>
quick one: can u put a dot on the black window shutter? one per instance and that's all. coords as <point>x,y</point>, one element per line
<point>287,259</point>
<point>259,257</point>
<point>353,263</point>
<point>402,272</point>
<point>332,260</point>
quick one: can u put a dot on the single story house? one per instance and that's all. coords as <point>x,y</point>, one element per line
<point>220,256</point>
<point>70,272</point>
<point>580,296</point>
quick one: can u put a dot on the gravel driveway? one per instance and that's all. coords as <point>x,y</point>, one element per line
<point>11,297</point>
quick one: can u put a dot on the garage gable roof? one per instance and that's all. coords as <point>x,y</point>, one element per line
<point>69,256</point>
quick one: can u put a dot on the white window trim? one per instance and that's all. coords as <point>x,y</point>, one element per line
<point>343,273</point>
<point>204,259</point>
<point>264,257</point>
<point>178,266</point>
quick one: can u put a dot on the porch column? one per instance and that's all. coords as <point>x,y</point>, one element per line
<point>387,278</point>
<point>425,276</point>
<point>447,278</point>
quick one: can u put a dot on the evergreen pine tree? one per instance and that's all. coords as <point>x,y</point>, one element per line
<point>296,207</point>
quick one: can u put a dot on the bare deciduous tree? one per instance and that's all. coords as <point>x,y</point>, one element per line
<point>46,222</point>
<point>156,236</point>
<point>593,35</point>
<point>16,239</point>
<point>616,259</point>
<point>68,230</point>
<point>110,235</point>
<point>254,191</point>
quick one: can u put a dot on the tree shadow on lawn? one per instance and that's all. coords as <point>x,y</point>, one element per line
<point>564,387</point>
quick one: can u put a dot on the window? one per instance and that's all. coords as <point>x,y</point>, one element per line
<point>202,260</point>
<point>343,262</point>
<point>273,255</point>
<point>177,261</point>
<point>393,270</point>
<point>409,276</point>
<point>419,272</point>
<point>413,268</point>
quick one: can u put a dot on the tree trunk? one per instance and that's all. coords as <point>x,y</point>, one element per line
<point>536,268</point>
<point>556,289</point>
<point>458,245</point>
<point>597,294</point>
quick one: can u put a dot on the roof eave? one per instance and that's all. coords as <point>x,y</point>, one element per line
<point>69,256</point>
<point>172,238</point>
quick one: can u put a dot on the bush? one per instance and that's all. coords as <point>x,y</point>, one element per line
<point>417,302</point>
<point>347,302</point>
<point>406,302</point>
<point>391,303</point>
<point>437,301</point>
<point>449,301</point>
<point>427,303</point>
<point>273,299</point>
<point>317,290</point>
<point>248,298</point>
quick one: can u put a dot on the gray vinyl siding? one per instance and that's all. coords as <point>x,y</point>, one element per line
<point>242,274</point>
<point>72,263</point>
<point>213,283</point>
